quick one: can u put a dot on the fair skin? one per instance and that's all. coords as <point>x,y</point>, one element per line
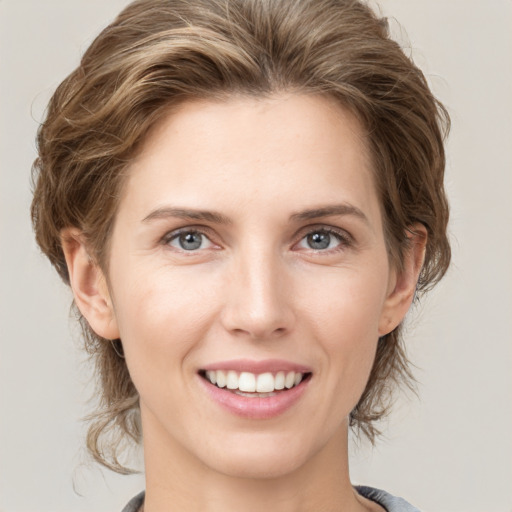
<point>249,237</point>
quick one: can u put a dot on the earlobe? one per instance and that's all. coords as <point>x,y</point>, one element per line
<point>404,281</point>
<point>89,285</point>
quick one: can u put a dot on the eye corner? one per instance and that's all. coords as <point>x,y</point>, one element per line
<point>189,240</point>
<point>329,239</point>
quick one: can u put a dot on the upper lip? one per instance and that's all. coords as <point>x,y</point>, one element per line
<point>257,367</point>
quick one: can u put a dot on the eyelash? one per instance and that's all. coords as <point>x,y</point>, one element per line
<point>173,235</point>
<point>344,238</point>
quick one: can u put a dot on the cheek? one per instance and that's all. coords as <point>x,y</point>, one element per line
<point>347,303</point>
<point>345,319</point>
<point>162,312</point>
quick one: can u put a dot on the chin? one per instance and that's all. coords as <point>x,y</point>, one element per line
<point>260,458</point>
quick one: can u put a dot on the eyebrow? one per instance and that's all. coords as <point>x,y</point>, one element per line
<point>218,218</point>
<point>330,210</point>
<point>187,214</point>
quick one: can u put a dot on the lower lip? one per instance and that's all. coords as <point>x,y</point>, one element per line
<point>255,407</point>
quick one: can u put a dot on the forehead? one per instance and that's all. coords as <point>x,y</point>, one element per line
<point>277,118</point>
<point>304,148</point>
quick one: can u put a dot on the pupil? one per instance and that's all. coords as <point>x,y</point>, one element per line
<point>319,240</point>
<point>190,241</point>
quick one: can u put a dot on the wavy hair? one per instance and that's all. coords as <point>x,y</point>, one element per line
<point>159,53</point>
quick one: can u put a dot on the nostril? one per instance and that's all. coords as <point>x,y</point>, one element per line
<point>258,311</point>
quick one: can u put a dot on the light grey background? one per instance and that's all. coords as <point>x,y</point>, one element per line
<point>449,451</point>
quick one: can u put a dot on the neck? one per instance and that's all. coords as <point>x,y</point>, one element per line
<point>176,480</point>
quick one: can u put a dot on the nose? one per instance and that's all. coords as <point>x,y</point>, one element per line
<point>258,302</point>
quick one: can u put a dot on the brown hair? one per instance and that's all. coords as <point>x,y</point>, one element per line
<point>157,54</point>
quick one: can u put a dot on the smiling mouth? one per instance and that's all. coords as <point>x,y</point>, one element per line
<point>249,384</point>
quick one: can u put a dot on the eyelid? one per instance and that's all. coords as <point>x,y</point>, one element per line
<point>345,238</point>
<point>174,233</point>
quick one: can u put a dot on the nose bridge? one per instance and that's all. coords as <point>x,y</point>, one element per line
<point>258,303</point>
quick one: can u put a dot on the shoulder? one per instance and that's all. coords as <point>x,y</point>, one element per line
<point>386,500</point>
<point>135,503</point>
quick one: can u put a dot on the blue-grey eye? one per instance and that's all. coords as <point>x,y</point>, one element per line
<point>190,241</point>
<point>320,240</point>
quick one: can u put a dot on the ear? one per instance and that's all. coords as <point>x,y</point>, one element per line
<point>89,285</point>
<point>402,284</point>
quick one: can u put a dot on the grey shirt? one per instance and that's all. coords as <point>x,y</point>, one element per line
<point>384,499</point>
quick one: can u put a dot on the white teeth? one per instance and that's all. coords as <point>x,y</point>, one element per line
<point>289,380</point>
<point>279,380</point>
<point>247,382</point>
<point>221,379</point>
<point>232,380</point>
<point>265,383</point>
<point>252,384</point>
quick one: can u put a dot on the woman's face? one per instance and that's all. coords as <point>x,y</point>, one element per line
<point>248,249</point>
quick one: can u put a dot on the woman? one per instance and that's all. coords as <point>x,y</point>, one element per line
<point>245,197</point>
